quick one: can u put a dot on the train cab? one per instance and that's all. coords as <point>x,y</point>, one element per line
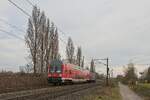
<point>55,71</point>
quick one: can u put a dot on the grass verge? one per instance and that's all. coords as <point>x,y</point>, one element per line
<point>143,90</point>
<point>105,93</point>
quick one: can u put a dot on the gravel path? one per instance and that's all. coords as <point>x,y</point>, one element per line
<point>127,93</point>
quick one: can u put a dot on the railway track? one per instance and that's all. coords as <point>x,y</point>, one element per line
<point>48,93</point>
<point>56,95</point>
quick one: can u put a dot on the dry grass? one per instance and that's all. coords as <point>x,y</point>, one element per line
<point>15,82</point>
<point>107,93</point>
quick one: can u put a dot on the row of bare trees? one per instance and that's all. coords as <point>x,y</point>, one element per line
<point>43,43</point>
<point>78,58</point>
<point>42,40</point>
<point>70,54</point>
<point>131,76</point>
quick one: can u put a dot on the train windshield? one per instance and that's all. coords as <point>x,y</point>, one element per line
<point>55,66</point>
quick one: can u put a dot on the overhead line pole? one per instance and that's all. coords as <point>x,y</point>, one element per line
<point>107,83</point>
<point>107,69</point>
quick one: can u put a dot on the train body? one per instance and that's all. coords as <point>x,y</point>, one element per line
<point>60,72</point>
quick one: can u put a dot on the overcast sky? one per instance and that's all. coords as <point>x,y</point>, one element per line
<point>118,29</point>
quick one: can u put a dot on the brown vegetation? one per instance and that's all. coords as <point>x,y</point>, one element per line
<point>19,81</point>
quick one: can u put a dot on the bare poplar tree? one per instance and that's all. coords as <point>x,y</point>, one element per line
<point>48,46</point>
<point>32,35</point>
<point>56,45</point>
<point>92,67</point>
<point>52,44</point>
<point>79,55</point>
<point>82,63</point>
<point>70,50</point>
<point>42,40</point>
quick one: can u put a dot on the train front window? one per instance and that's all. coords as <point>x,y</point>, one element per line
<point>55,66</point>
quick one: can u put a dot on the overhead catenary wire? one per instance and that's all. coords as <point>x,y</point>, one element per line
<point>13,26</point>
<point>13,35</point>
<point>30,2</point>
<point>19,8</point>
<point>30,16</point>
<point>27,14</point>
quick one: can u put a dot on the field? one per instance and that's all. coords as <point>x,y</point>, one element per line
<point>143,90</point>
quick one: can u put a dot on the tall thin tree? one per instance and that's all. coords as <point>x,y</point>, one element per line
<point>70,50</point>
<point>79,55</point>
<point>92,67</point>
<point>82,63</point>
<point>32,35</point>
<point>56,45</point>
<point>42,40</point>
<point>48,44</point>
<point>52,51</point>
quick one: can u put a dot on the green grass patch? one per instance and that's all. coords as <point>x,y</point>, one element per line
<point>143,90</point>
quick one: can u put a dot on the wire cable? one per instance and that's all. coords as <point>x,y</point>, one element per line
<point>30,2</point>
<point>10,33</point>
<point>20,8</point>
<point>13,26</point>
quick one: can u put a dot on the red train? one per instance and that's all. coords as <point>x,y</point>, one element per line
<point>60,72</point>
